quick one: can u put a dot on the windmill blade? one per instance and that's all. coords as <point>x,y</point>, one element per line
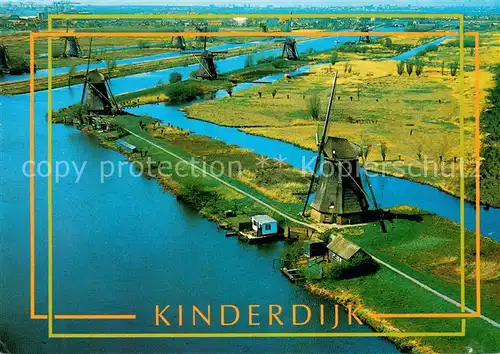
<point>370,188</point>
<point>87,72</point>
<point>322,141</point>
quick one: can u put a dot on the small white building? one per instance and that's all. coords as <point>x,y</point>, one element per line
<point>264,225</point>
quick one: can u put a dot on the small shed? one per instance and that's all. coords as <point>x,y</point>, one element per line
<point>122,144</point>
<point>264,225</point>
<point>340,249</point>
<point>315,248</point>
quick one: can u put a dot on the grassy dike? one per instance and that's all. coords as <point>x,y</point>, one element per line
<point>23,86</point>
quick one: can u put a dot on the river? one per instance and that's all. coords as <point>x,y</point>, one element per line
<point>124,245</point>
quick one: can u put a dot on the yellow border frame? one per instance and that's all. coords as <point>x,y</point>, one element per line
<point>50,34</point>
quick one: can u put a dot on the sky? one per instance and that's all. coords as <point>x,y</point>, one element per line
<point>288,2</point>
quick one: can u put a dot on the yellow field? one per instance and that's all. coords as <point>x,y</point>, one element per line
<point>407,113</point>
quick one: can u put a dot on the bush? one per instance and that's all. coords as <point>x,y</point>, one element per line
<point>469,42</point>
<point>428,49</point>
<point>419,69</point>
<point>314,106</point>
<point>292,252</point>
<point>359,265</point>
<point>229,88</point>
<point>194,195</point>
<point>388,42</point>
<point>409,68</point>
<point>175,77</point>
<point>453,68</point>
<point>264,60</point>
<point>279,63</point>
<point>249,61</point>
<point>184,91</point>
<point>333,57</point>
<point>274,92</point>
<point>400,67</point>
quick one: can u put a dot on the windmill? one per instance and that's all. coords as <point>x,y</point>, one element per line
<point>290,51</point>
<point>71,46</point>
<point>4,58</point>
<point>201,28</point>
<point>100,99</point>
<point>286,24</point>
<point>364,38</point>
<point>208,69</point>
<point>178,42</point>
<point>339,197</point>
<point>7,66</point>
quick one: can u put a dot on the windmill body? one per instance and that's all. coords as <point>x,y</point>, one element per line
<point>178,42</point>
<point>71,47</point>
<point>4,58</point>
<point>99,99</point>
<point>290,51</point>
<point>340,197</point>
<point>364,38</point>
<point>208,70</point>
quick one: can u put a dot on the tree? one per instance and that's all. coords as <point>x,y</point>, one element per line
<point>400,67</point>
<point>388,42</point>
<point>260,94</point>
<point>442,67</point>
<point>419,69</point>
<point>249,61</point>
<point>333,57</point>
<point>263,27</point>
<point>383,151</point>
<point>175,77</point>
<point>443,148</point>
<point>409,68</point>
<point>274,92</point>
<point>453,68</point>
<point>229,88</point>
<point>346,66</point>
<point>314,106</point>
<point>349,69</point>
<point>110,66</point>
<point>184,91</point>
<point>71,73</point>
<point>420,149</point>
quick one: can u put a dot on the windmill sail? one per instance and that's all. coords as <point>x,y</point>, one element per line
<point>372,193</point>
<point>322,141</point>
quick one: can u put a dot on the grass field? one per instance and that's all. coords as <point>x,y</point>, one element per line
<point>426,247</point>
<point>408,114</point>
